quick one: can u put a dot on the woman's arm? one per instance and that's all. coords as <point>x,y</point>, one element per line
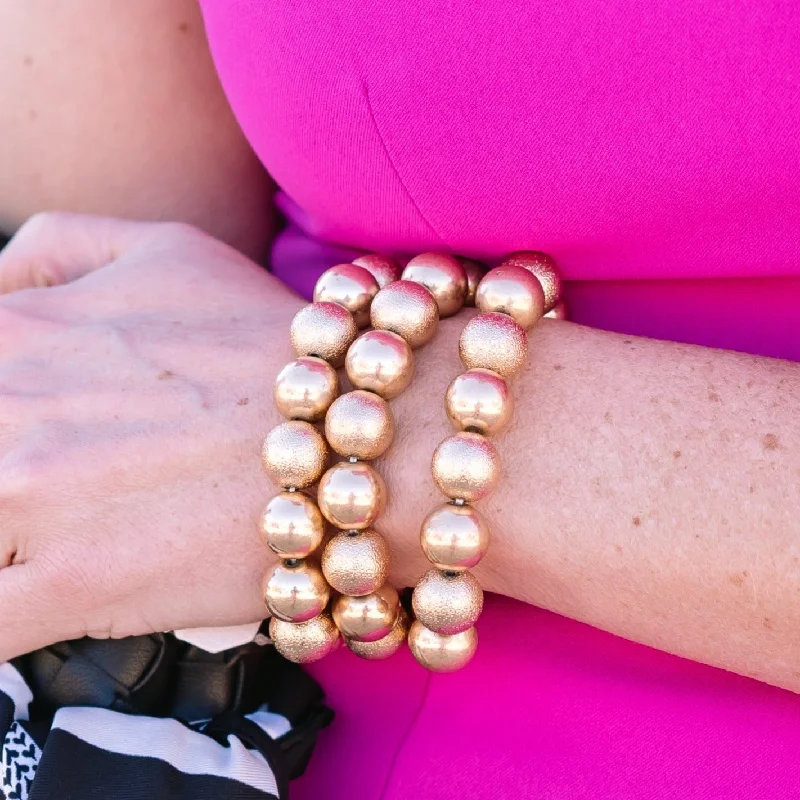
<point>115,108</point>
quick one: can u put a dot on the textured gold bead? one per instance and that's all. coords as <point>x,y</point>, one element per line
<point>384,269</point>
<point>513,291</point>
<point>479,400</point>
<point>407,309</point>
<point>356,562</point>
<point>325,330</point>
<point>474,272</point>
<point>306,641</point>
<point>385,647</point>
<point>558,311</point>
<point>359,424</point>
<point>493,341</point>
<point>367,618</point>
<point>292,525</point>
<point>466,467</point>
<point>305,388</point>
<point>447,603</point>
<point>296,593</point>
<point>544,268</point>
<point>454,537</point>
<point>440,652</point>
<point>381,362</point>
<point>294,454</point>
<point>351,496</point>
<point>350,286</point>
<point>443,276</point>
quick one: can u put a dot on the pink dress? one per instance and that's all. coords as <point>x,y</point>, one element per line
<point>654,149</point>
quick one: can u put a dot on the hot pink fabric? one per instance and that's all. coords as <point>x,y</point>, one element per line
<point>654,149</point>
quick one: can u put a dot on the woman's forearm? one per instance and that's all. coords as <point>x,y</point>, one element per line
<point>650,489</point>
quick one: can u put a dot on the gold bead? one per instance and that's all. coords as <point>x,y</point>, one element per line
<point>439,652</point>
<point>304,642</point>
<point>356,562</point>
<point>294,454</point>
<point>296,592</point>
<point>367,618</point>
<point>512,291</point>
<point>454,537</point>
<point>479,400</point>
<point>447,603</point>
<point>351,287</point>
<point>442,276</point>
<point>384,269</point>
<point>305,388</point>
<point>544,268</point>
<point>359,424</point>
<point>324,330</point>
<point>407,309</point>
<point>380,361</point>
<point>351,496</point>
<point>292,525</point>
<point>493,341</point>
<point>385,647</point>
<point>558,311</point>
<point>474,272</point>
<point>466,467</point>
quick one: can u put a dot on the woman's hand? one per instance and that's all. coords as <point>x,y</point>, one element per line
<point>134,393</point>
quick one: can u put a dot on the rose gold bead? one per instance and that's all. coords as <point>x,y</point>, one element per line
<point>356,562</point>
<point>512,291</point>
<point>292,525</point>
<point>367,618</point>
<point>407,309</point>
<point>294,454</point>
<point>559,311</point>
<point>325,330</point>
<point>447,603</point>
<point>454,537</point>
<point>479,400</point>
<point>442,276</point>
<point>305,388</point>
<point>439,652</point>
<point>380,361</point>
<point>359,424</point>
<point>466,467</point>
<point>296,593</point>
<point>384,269</point>
<point>493,341</point>
<point>474,272</point>
<point>351,287</point>
<point>304,642</point>
<point>385,647</point>
<point>544,268</point>
<point>351,496</point>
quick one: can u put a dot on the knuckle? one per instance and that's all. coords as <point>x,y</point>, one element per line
<point>23,476</point>
<point>44,221</point>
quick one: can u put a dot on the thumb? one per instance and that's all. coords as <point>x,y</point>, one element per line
<point>56,247</point>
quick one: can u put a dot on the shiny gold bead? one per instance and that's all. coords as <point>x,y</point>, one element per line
<point>385,647</point>
<point>325,330</point>
<point>351,496</point>
<point>443,276</point>
<point>356,562</point>
<point>440,652</point>
<point>305,388</point>
<point>381,362</point>
<point>384,269</point>
<point>474,272</point>
<point>304,642</point>
<point>351,287</point>
<point>292,525</point>
<point>512,291</point>
<point>558,311</point>
<point>479,400</point>
<point>466,467</point>
<point>294,454</point>
<point>359,424</point>
<point>447,603</point>
<point>544,268</point>
<point>296,592</point>
<point>454,537</point>
<point>493,341</point>
<point>367,618</point>
<point>407,309</point>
